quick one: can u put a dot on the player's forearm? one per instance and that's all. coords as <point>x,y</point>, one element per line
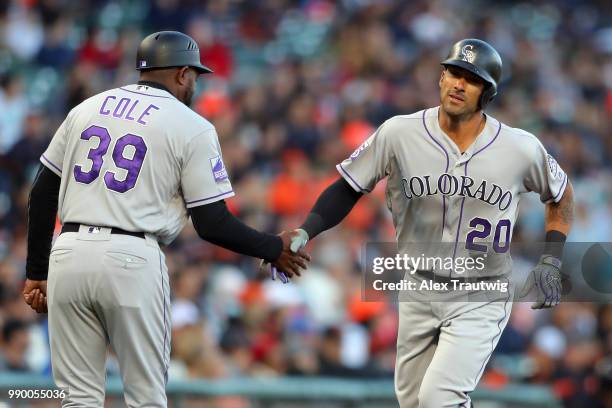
<point>558,221</point>
<point>215,224</point>
<point>332,206</point>
<point>42,211</point>
<point>559,216</point>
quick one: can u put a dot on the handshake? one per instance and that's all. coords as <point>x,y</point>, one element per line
<point>292,258</point>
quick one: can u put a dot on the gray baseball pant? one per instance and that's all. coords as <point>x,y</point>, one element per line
<point>443,348</point>
<point>108,289</point>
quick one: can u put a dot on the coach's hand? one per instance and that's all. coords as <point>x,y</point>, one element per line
<point>290,262</point>
<point>35,295</point>
<point>546,277</point>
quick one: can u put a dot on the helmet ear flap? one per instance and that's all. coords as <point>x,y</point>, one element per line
<point>488,94</point>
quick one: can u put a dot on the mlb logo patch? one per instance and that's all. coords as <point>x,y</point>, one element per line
<point>218,169</point>
<point>143,64</point>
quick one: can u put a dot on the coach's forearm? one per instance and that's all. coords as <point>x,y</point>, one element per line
<point>215,224</point>
<point>332,206</point>
<point>559,216</point>
<point>42,211</point>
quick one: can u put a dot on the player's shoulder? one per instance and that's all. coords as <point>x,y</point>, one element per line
<point>521,140</point>
<point>194,123</point>
<point>403,120</point>
<point>519,136</point>
<point>403,124</point>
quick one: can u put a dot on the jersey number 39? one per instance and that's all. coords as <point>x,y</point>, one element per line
<point>96,155</point>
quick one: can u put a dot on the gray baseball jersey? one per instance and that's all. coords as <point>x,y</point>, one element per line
<point>134,158</point>
<point>438,194</point>
<point>470,199</point>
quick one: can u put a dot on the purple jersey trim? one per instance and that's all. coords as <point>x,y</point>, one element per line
<point>491,142</point>
<point>460,216</point>
<point>209,198</point>
<point>562,189</point>
<point>463,200</point>
<point>342,170</point>
<point>445,171</point>
<point>51,163</point>
<point>145,94</point>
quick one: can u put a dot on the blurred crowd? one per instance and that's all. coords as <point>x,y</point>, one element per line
<point>298,85</point>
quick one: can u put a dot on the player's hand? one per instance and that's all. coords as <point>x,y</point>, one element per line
<point>299,240</point>
<point>546,277</point>
<point>290,262</point>
<point>35,295</point>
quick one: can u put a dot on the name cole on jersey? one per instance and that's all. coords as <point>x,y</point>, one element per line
<point>462,186</point>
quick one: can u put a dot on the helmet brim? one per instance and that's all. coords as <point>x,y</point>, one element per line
<point>202,69</point>
<point>471,68</point>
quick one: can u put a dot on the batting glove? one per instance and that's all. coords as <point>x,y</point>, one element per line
<point>546,277</point>
<point>274,273</point>
<point>299,241</point>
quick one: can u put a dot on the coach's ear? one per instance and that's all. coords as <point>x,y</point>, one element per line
<point>441,77</point>
<point>182,77</point>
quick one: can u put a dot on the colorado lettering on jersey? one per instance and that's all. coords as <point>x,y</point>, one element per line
<point>463,186</point>
<point>126,108</point>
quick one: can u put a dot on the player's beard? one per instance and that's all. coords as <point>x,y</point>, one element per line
<point>188,96</point>
<point>459,113</point>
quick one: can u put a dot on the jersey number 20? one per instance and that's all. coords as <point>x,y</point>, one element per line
<point>498,246</point>
<point>96,155</point>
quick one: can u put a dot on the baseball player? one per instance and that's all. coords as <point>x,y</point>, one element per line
<point>455,175</point>
<point>124,170</point>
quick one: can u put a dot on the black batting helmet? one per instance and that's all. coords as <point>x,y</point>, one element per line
<point>168,49</point>
<point>481,59</point>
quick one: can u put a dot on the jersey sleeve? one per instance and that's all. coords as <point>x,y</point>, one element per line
<point>53,157</point>
<point>204,179</point>
<point>367,165</point>
<point>546,177</point>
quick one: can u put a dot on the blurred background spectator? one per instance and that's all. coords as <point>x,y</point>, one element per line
<point>298,85</point>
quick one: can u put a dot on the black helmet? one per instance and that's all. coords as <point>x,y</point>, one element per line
<point>481,59</point>
<point>167,49</point>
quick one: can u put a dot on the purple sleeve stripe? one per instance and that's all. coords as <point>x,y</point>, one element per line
<point>210,198</point>
<point>146,94</point>
<point>50,163</point>
<point>561,190</point>
<point>351,179</point>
